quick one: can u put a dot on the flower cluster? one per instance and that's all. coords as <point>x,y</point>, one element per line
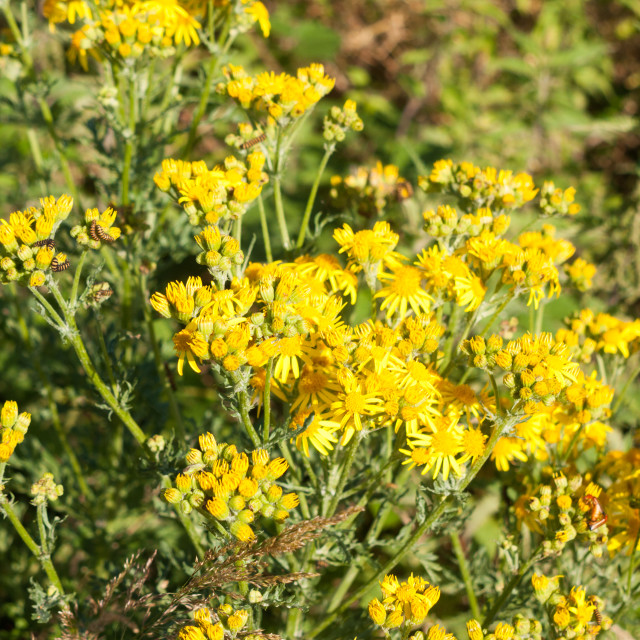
<point>581,274</point>
<point>405,605</point>
<point>445,223</point>
<point>225,487</point>
<point>210,195</point>
<point>537,367</point>
<point>563,511</point>
<point>588,332</point>
<point>369,191</point>
<point>27,246</point>
<point>224,622</point>
<point>574,614</point>
<point>479,187</point>
<point>622,499</point>
<point>45,490</point>
<point>280,96</point>
<point>521,628</point>
<point>339,121</point>
<point>14,426</point>
<point>97,229</point>
<point>554,201</point>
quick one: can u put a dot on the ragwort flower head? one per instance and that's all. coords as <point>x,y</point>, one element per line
<point>13,427</point>
<point>405,604</point>
<point>228,486</point>
<point>210,195</point>
<point>281,97</point>
<point>27,245</point>
<point>477,188</point>
<point>369,192</point>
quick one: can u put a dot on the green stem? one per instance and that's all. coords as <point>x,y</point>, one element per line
<point>129,142</point>
<point>512,584</point>
<point>53,407</point>
<point>105,353</point>
<point>277,195</point>
<point>344,472</point>
<point>621,395</point>
<point>76,280</point>
<point>282,223</point>
<point>75,338</point>
<point>464,572</point>
<point>572,444</point>
<point>417,534</point>
<point>44,559</point>
<point>246,419</point>
<point>267,402</point>
<point>496,313</point>
<point>41,529</point>
<point>265,229</point>
<point>312,195</point>
<point>206,90</point>
<point>45,303</point>
<point>36,154</point>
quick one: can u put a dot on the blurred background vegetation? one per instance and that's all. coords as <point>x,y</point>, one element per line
<point>551,87</point>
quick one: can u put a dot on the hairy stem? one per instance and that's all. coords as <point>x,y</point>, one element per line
<point>464,572</point>
<point>265,229</point>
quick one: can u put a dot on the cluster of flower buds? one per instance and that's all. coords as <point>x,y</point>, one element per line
<point>556,202</point>
<point>419,336</point>
<point>220,253</point>
<point>209,195</point>
<point>339,121</point>
<point>574,614</point>
<point>225,486</point>
<point>581,274</point>
<point>14,427</point>
<point>97,229</point>
<point>282,97</point>
<point>589,332</point>
<point>224,622</point>
<point>445,222</point>
<point>249,137</point>
<point>27,247</point>
<point>45,490</point>
<point>370,191</point>
<point>479,187</point>
<point>537,367</point>
<point>530,269</point>
<point>521,629</point>
<point>404,604</point>
<point>563,511</point>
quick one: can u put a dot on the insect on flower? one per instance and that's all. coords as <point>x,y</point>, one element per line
<point>254,141</point>
<point>49,243</point>
<point>57,266</point>
<point>97,232</point>
<point>598,616</point>
<point>597,516</point>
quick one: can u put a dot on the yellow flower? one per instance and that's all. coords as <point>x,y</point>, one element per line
<point>404,290</point>
<point>318,432</point>
<point>189,343</point>
<point>437,450</point>
<point>260,14</point>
